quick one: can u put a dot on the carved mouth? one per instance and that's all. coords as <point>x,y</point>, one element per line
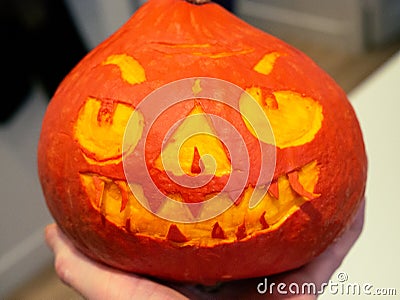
<point>116,203</point>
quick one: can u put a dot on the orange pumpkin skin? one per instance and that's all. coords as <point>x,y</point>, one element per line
<point>171,40</point>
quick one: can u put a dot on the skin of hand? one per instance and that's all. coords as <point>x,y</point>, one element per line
<point>96,281</point>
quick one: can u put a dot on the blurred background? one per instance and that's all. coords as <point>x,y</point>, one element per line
<point>43,39</point>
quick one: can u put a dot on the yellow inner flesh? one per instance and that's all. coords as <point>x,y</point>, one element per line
<point>106,196</point>
<point>295,120</point>
<point>196,88</point>
<point>266,64</point>
<point>196,131</point>
<point>101,131</point>
<point>131,70</point>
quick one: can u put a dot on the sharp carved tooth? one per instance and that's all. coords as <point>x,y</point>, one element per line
<point>99,197</point>
<point>218,232</point>
<point>98,191</point>
<point>298,187</point>
<point>273,189</point>
<point>241,232</point>
<point>175,235</point>
<point>128,224</point>
<point>124,195</point>
<point>263,222</point>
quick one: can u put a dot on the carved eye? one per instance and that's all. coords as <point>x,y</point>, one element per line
<point>100,129</point>
<point>130,69</point>
<point>295,119</point>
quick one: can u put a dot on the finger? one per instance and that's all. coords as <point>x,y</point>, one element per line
<point>67,261</point>
<point>97,281</point>
<point>51,236</point>
<point>57,240</point>
<point>66,256</point>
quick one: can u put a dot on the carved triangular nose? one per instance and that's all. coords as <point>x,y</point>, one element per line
<point>196,162</point>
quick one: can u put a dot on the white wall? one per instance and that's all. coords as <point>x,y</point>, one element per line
<point>337,24</point>
<point>344,25</point>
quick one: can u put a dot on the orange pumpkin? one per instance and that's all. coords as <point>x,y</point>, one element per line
<point>141,141</point>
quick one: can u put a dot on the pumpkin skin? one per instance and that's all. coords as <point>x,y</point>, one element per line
<point>320,171</point>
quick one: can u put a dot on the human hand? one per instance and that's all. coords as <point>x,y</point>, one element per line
<point>97,281</point>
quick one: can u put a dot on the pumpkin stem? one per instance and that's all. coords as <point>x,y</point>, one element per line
<point>198,2</point>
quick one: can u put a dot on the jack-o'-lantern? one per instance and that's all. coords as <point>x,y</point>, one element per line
<point>117,156</point>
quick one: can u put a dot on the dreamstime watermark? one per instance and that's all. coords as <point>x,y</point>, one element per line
<point>230,98</point>
<point>340,286</point>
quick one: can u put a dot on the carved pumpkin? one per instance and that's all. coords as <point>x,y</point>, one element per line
<point>97,120</point>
